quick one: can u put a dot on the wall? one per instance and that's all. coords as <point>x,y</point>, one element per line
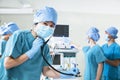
<point>24,21</point>
<point>79,24</point>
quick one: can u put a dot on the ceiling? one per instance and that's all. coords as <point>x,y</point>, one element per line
<point>81,6</point>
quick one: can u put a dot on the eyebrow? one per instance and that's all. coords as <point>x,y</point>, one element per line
<point>50,21</point>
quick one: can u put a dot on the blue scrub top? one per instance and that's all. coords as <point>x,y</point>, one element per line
<point>111,52</point>
<point>2,69</point>
<point>2,46</point>
<point>19,43</point>
<point>93,56</point>
<point>119,72</point>
<point>3,72</point>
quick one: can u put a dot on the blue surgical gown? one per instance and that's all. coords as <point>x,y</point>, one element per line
<point>119,72</point>
<point>111,52</point>
<point>3,72</point>
<point>93,56</point>
<point>2,69</point>
<point>2,46</point>
<point>19,43</point>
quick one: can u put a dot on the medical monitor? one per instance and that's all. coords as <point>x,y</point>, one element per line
<point>61,31</point>
<point>57,60</point>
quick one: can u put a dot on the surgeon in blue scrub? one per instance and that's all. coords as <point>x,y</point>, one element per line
<point>94,56</point>
<point>112,52</point>
<point>5,32</point>
<point>23,59</point>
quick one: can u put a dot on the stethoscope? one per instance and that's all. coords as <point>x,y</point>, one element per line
<point>42,48</point>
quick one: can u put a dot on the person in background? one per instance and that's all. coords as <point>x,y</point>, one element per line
<point>94,56</point>
<point>5,32</point>
<point>23,54</point>
<point>112,52</point>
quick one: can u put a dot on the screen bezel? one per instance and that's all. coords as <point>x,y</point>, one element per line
<point>62,33</point>
<point>61,60</point>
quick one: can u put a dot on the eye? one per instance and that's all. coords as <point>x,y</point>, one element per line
<point>52,26</point>
<point>45,23</point>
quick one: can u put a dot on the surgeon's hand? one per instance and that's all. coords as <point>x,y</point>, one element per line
<point>74,71</point>
<point>35,47</point>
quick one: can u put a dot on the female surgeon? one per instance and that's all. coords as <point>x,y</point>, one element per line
<point>5,33</point>
<point>23,56</point>
<point>94,56</point>
<point>112,52</point>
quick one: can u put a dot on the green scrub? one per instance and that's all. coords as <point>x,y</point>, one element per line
<point>2,46</point>
<point>111,52</point>
<point>93,56</point>
<point>19,43</point>
<point>2,69</point>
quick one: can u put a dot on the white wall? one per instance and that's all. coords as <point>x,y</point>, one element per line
<point>24,21</point>
<point>79,24</point>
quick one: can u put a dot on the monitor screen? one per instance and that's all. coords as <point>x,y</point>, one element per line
<point>61,31</point>
<point>57,60</point>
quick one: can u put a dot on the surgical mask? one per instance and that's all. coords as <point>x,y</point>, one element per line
<point>2,37</point>
<point>44,31</point>
<point>107,38</point>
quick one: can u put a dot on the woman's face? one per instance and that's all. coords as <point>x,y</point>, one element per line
<point>109,36</point>
<point>44,29</point>
<point>6,37</point>
<point>47,23</point>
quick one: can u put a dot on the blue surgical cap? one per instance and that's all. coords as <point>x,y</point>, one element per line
<point>8,28</point>
<point>112,31</point>
<point>93,33</point>
<point>45,14</point>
